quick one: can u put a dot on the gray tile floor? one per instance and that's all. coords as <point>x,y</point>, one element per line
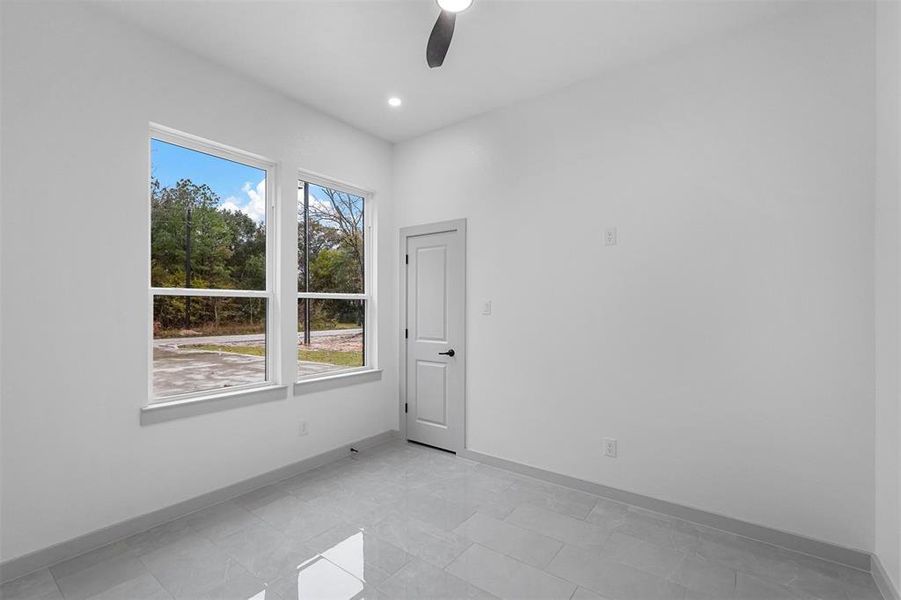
<point>400,521</point>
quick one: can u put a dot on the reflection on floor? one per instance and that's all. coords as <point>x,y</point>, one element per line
<point>402,521</point>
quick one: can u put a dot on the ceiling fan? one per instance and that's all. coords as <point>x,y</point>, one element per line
<point>443,31</point>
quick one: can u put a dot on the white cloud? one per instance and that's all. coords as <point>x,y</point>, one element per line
<point>254,206</point>
<point>231,204</point>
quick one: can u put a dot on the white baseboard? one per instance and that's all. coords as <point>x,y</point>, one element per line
<point>883,581</point>
<point>858,559</point>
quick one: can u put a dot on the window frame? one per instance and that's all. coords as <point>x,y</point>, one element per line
<point>368,297</point>
<point>270,293</point>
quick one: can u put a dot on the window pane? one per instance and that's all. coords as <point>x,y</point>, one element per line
<point>330,240</point>
<point>207,343</point>
<point>330,335</point>
<point>208,220</point>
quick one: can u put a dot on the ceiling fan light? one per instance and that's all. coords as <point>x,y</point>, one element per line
<point>454,6</point>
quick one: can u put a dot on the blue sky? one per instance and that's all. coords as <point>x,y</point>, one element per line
<point>241,187</point>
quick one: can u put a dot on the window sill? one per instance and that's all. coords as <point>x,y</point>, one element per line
<point>328,382</point>
<point>190,407</point>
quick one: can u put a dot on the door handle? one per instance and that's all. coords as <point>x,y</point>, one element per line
<point>448,353</point>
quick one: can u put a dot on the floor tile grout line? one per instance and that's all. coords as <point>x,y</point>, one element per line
<point>330,561</point>
<point>152,574</point>
<point>55,582</point>
<point>557,553</point>
<point>562,544</point>
<point>159,583</point>
<point>525,564</point>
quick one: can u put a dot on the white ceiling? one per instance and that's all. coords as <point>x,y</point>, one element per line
<point>346,58</point>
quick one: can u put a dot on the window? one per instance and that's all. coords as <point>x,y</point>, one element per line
<point>210,268</point>
<point>332,300</point>
<point>220,298</point>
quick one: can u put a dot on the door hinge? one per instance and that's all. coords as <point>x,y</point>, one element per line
<point>406,333</point>
<point>406,407</point>
<point>406,259</point>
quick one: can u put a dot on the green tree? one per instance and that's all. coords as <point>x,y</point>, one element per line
<point>194,243</point>
<point>335,253</point>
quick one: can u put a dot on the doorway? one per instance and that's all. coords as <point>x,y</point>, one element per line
<point>433,340</point>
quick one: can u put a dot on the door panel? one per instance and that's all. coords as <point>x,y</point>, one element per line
<point>434,344</point>
<point>431,393</point>
<point>431,294</point>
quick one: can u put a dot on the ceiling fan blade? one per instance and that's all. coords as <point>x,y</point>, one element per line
<point>440,40</point>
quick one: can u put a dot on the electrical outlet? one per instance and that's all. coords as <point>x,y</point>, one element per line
<point>610,447</point>
<point>610,236</point>
<point>304,429</point>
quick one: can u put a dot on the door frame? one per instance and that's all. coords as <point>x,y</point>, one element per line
<point>454,225</point>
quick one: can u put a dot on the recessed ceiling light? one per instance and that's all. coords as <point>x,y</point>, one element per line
<point>394,101</point>
<point>454,6</point>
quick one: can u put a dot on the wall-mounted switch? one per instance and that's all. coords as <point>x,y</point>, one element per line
<point>486,307</point>
<point>304,429</point>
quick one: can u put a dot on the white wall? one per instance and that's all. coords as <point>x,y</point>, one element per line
<point>728,340</point>
<point>888,276</point>
<point>79,90</point>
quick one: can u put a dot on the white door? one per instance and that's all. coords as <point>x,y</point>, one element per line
<point>434,336</point>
